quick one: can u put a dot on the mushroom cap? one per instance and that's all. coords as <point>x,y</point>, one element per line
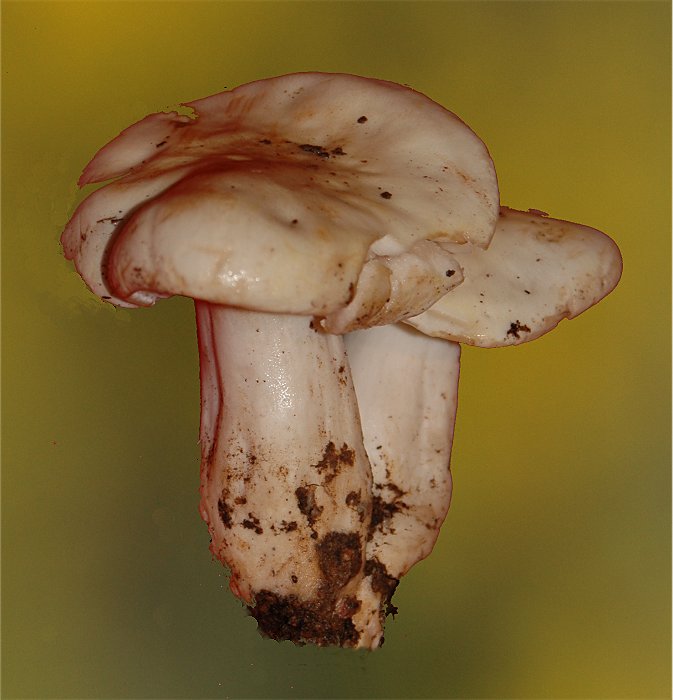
<point>276,194</point>
<point>535,272</point>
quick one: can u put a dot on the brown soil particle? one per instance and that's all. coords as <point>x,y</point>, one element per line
<point>383,511</point>
<point>225,512</point>
<point>348,606</point>
<point>333,460</point>
<point>326,619</point>
<point>353,498</point>
<point>287,617</point>
<point>382,583</point>
<point>307,503</point>
<point>253,524</point>
<point>394,488</point>
<point>339,557</point>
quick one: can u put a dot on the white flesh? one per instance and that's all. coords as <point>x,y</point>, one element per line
<point>407,386</point>
<point>285,480</point>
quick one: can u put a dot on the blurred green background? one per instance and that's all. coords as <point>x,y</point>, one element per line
<point>551,578</point>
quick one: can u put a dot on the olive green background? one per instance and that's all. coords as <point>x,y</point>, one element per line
<point>551,578</point>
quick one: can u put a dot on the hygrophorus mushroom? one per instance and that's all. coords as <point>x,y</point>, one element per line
<point>293,211</point>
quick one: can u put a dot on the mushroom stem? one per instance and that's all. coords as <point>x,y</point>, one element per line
<point>285,479</point>
<point>407,390</point>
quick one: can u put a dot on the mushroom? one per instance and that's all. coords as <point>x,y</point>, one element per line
<point>293,210</point>
<point>336,258</point>
<point>535,272</point>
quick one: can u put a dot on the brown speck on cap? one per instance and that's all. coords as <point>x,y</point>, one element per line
<point>316,150</point>
<point>517,327</point>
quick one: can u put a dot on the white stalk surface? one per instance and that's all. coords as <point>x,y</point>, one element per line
<point>285,481</point>
<point>407,390</point>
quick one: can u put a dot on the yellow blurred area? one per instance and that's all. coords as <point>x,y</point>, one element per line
<point>551,578</point>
